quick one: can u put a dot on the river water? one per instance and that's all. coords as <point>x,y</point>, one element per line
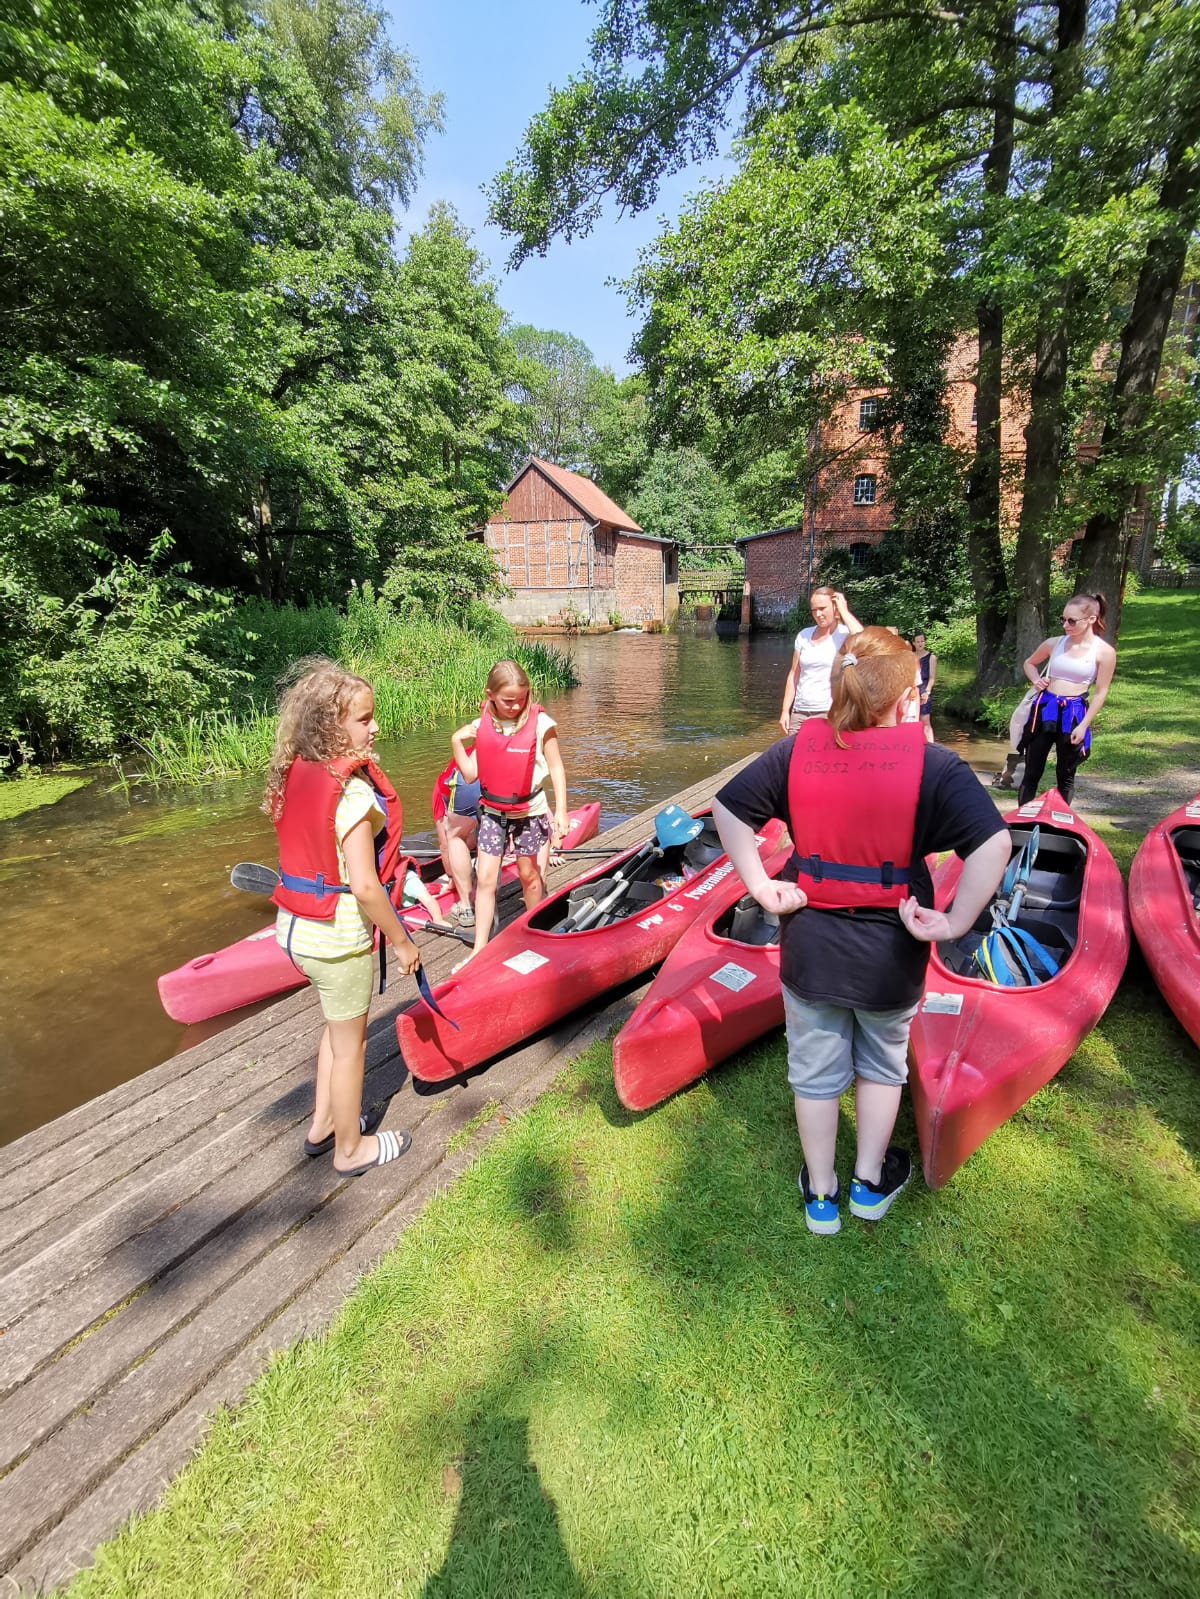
<point>107,889</point>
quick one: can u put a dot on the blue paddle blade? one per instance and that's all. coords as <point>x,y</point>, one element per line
<point>427,995</point>
<point>674,825</point>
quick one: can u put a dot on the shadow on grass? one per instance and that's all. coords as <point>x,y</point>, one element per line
<point>505,1539</point>
<point>973,1363</point>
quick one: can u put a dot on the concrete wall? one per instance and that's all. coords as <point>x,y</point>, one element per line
<point>526,606</point>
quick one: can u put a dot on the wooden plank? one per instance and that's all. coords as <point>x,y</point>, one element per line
<point>136,1483</point>
<point>74,1459</point>
<point>169,1187</point>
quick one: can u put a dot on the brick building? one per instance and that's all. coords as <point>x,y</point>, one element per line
<point>561,543</point>
<point>848,502</point>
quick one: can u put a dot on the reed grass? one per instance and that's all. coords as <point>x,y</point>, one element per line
<point>423,669</point>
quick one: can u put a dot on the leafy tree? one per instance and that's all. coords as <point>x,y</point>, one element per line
<point>561,390</point>
<point>623,442</point>
<point>1059,144</point>
<point>681,496</point>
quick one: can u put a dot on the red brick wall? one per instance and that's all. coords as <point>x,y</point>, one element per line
<point>639,579</point>
<point>777,572</point>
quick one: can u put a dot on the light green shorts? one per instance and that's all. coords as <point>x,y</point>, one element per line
<point>344,983</point>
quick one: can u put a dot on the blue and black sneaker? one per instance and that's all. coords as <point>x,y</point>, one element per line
<point>820,1210</point>
<point>873,1200</point>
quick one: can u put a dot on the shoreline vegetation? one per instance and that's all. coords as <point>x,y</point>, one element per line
<point>422,668</point>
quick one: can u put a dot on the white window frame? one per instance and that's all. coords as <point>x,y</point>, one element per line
<point>868,419</point>
<point>864,488</point>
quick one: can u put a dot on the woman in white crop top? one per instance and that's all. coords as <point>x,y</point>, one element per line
<point>1063,670</point>
<point>807,691</point>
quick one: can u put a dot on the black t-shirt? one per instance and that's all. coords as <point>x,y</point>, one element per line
<point>865,958</point>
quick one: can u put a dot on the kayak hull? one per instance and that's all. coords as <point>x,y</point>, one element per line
<point>978,1052</point>
<point>257,967</point>
<point>716,994</point>
<point>1163,882</point>
<point>529,976</point>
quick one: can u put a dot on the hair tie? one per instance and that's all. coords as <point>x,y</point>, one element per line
<point>850,660</point>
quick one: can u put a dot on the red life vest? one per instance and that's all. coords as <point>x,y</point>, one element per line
<point>852,812</point>
<point>506,762</point>
<point>439,799</point>
<point>309,882</point>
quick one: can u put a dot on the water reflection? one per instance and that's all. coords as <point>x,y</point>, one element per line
<point>105,890</point>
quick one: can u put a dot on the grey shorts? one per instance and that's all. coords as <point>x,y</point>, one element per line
<point>830,1045</point>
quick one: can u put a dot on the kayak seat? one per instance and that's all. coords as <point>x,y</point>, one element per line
<point>1187,846</point>
<point>1056,879</point>
<point>748,923</point>
<point>704,849</point>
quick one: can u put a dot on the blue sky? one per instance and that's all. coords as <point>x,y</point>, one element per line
<point>495,63</point>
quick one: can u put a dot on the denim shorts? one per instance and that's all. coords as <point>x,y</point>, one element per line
<point>830,1045</point>
<point>526,834</point>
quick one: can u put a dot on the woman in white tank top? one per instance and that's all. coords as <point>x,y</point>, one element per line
<point>807,691</point>
<point>1063,671</point>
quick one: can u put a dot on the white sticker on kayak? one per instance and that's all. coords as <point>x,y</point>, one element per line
<point>732,976</point>
<point>1031,809</point>
<point>1062,816</point>
<point>1192,808</point>
<point>943,1004</point>
<point>253,938</point>
<point>527,961</point>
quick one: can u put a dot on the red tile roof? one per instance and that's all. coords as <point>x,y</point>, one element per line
<point>590,499</point>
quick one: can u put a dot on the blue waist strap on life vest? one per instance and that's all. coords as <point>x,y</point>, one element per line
<point>886,874</point>
<point>317,886</point>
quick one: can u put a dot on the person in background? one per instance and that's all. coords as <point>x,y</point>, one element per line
<point>455,807</point>
<point>807,691</point>
<point>927,666</point>
<point>1063,671</point>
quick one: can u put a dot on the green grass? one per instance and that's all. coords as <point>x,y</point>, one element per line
<point>611,1361</point>
<point>30,792</point>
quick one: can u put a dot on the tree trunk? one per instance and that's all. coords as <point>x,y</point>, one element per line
<point>983,486</point>
<point>264,543</point>
<point>1122,460</point>
<point>1046,428</point>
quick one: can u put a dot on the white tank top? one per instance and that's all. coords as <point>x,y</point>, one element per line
<point>1077,669</point>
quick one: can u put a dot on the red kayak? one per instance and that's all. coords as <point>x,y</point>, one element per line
<point>256,967</point>
<point>1164,890</point>
<point>718,991</point>
<point>978,1051</point>
<point>541,967</point>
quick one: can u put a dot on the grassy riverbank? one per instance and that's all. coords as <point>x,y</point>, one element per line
<point>33,791</point>
<point>611,1361</point>
<point>422,670</point>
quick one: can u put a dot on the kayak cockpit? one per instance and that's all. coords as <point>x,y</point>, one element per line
<point>1050,912</point>
<point>1186,843</point>
<point>747,923</point>
<point>655,880</point>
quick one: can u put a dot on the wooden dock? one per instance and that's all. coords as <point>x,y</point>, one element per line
<point>160,1244</point>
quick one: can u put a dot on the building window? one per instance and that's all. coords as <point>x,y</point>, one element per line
<point>868,414</point>
<point>864,488</point>
<point>858,555</point>
<point>975,409</point>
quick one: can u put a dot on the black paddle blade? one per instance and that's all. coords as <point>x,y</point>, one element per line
<point>254,879</point>
<point>427,995</point>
